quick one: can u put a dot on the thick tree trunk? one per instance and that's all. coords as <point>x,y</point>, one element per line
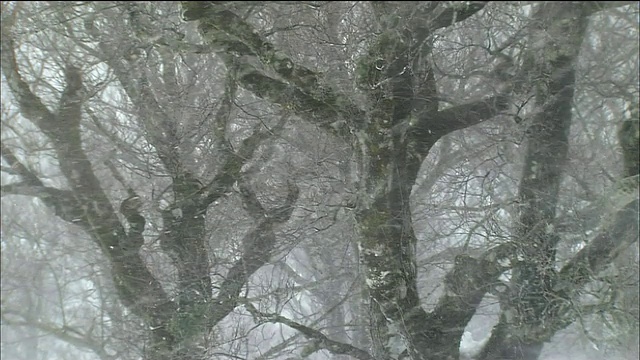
<point>392,136</point>
<point>403,124</point>
<point>527,307</point>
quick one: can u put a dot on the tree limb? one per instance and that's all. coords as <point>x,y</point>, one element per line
<point>258,246</point>
<point>456,118</point>
<point>87,204</point>
<point>592,6</point>
<point>321,341</point>
<point>214,19</point>
<point>456,13</point>
<point>160,127</point>
<point>610,242</point>
<point>230,171</point>
<point>250,201</point>
<point>64,333</point>
<point>18,167</point>
<point>595,6</point>
<point>466,115</point>
<point>227,32</point>
<point>31,106</point>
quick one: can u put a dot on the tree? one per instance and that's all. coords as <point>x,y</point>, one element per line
<point>195,158</point>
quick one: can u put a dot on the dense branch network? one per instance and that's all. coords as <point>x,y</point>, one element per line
<point>395,135</point>
<point>320,341</point>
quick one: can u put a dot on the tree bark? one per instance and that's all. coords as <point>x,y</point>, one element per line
<point>528,307</point>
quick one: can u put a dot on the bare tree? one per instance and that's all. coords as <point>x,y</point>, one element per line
<point>235,162</point>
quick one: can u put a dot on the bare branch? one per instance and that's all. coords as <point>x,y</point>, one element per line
<point>88,205</point>
<point>258,246</point>
<point>65,333</point>
<point>456,13</point>
<point>225,31</point>
<point>595,6</point>
<point>27,189</point>
<point>457,118</point>
<point>63,202</point>
<point>8,170</point>
<point>116,174</point>
<point>250,201</point>
<point>230,171</point>
<point>320,340</point>
<point>612,240</point>
<point>213,17</point>
<point>18,167</point>
<point>31,106</point>
<point>70,104</point>
<point>224,112</point>
<point>160,128</point>
<point>466,115</point>
<point>618,232</point>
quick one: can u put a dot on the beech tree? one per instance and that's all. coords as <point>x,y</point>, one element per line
<point>249,165</point>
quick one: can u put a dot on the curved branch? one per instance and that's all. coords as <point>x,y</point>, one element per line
<point>18,167</point>
<point>64,333</point>
<point>31,106</point>
<point>593,7</point>
<point>250,201</point>
<point>258,245</point>
<point>230,171</point>
<point>215,19</point>
<point>320,340</point>
<point>463,116</point>
<point>86,204</point>
<point>456,13</point>
<point>161,129</point>
<point>229,34</point>
<point>619,231</point>
<point>609,243</point>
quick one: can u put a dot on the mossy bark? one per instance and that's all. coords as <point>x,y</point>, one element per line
<point>391,136</point>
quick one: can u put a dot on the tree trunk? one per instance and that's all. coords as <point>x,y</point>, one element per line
<point>527,308</point>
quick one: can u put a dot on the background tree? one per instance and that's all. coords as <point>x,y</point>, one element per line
<point>316,179</point>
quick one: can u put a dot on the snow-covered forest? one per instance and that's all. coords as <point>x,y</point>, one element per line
<point>379,180</point>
